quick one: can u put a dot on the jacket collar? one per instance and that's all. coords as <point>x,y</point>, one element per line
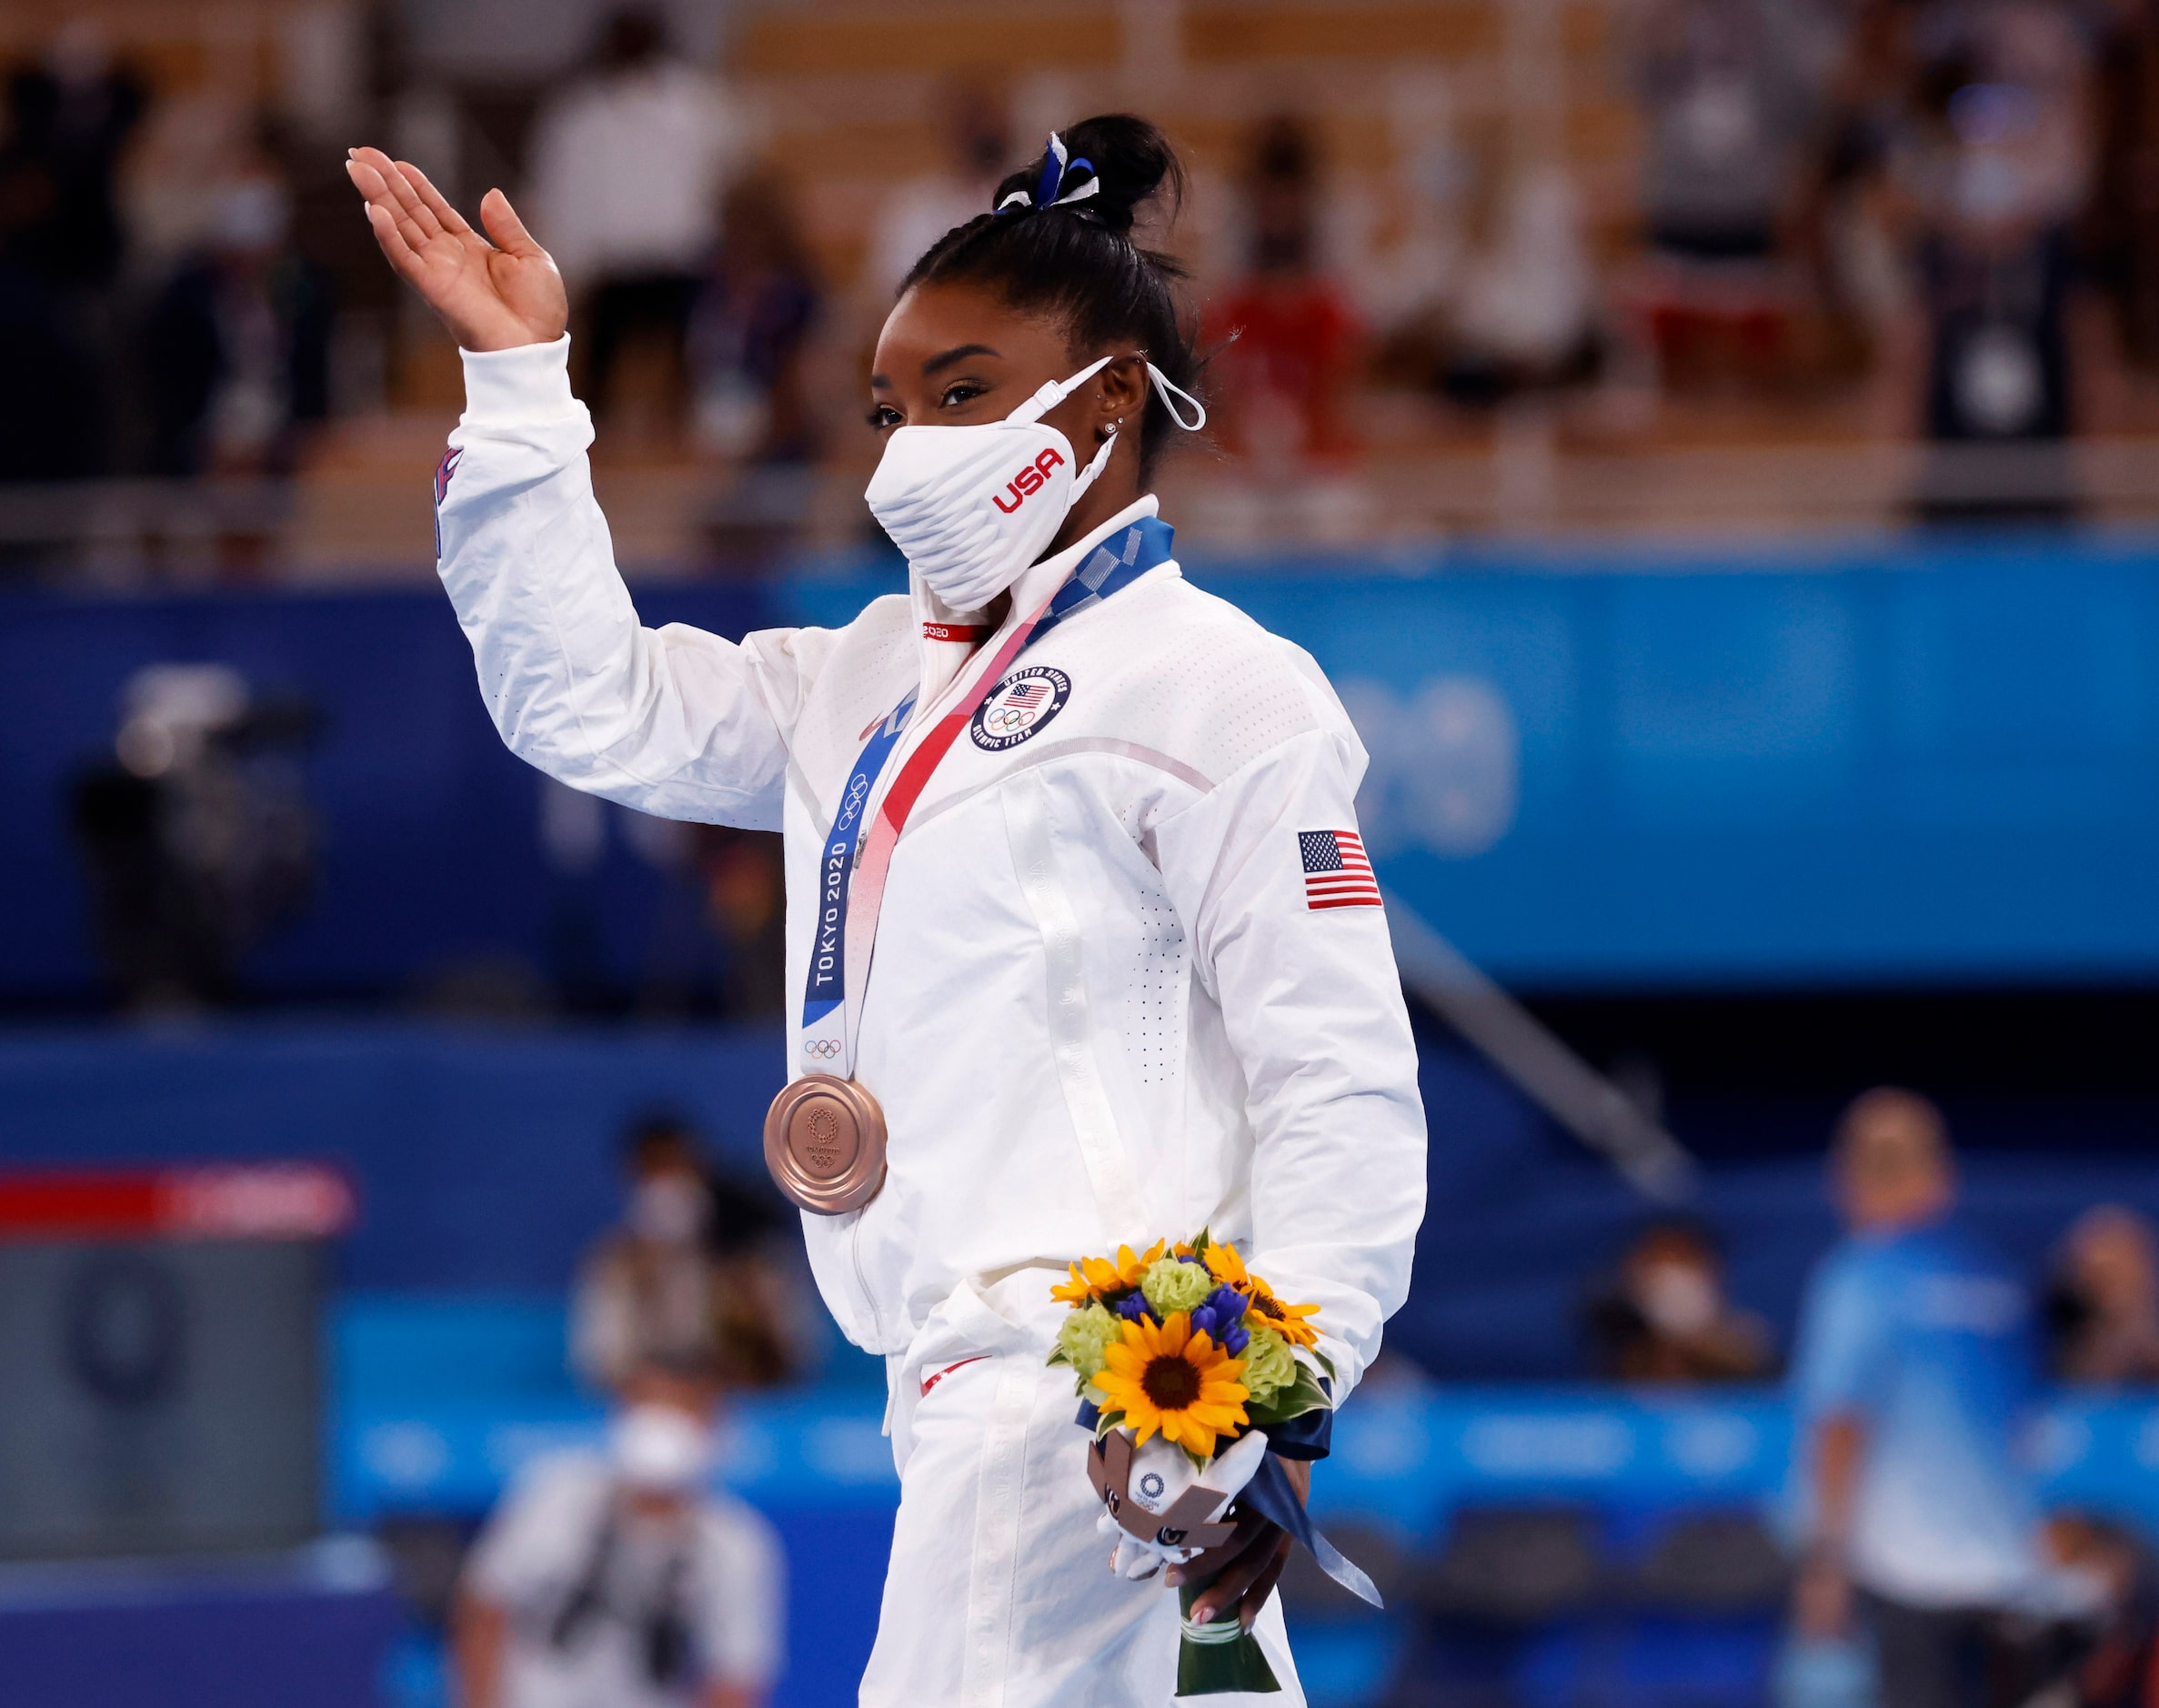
<point>943,660</point>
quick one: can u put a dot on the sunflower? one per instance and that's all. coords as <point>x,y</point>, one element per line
<point>1287,1321</point>
<point>1226,1266</point>
<point>1172,1380</point>
<point>1092,1276</point>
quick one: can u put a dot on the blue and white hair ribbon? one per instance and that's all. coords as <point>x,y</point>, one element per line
<point>1053,172</point>
<point>1059,168</point>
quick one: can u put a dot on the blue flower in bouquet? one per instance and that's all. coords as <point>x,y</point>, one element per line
<point>1221,1316</point>
<point>1133,1308</point>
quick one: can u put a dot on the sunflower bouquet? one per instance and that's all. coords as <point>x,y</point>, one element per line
<point>1185,1362</point>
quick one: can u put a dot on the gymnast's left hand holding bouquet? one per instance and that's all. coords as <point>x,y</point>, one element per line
<point>492,296</point>
<point>1185,1363</point>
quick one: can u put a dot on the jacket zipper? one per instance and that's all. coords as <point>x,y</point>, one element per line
<point>854,1252</point>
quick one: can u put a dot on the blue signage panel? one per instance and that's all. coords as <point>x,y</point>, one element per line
<point>1907,766</point>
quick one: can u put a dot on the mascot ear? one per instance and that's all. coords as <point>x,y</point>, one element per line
<point>1109,1469</point>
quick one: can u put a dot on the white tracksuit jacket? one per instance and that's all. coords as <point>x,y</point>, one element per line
<point>1101,1010</point>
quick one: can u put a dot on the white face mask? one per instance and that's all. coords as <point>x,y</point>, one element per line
<point>971,507</point>
<point>1676,1298</point>
<point>669,1209</point>
<point>659,1450</point>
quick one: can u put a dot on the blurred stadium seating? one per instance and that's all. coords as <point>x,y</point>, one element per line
<point>1427,114</point>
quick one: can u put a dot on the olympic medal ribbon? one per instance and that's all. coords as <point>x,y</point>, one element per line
<point>824,1037</point>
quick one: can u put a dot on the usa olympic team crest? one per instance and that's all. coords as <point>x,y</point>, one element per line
<point>1017,706</point>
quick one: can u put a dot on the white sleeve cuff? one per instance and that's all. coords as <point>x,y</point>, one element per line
<point>524,387</point>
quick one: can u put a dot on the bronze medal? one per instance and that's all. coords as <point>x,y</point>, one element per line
<point>825,1144</point>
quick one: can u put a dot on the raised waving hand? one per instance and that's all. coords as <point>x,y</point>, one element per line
<point>491,295</point>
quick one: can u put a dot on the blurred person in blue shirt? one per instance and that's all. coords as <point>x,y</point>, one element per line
<point>1911,1377</point>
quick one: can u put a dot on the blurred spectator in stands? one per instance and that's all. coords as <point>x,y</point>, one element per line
<point>976,134</point>
<point>2099,1643</point>
<point>1524,315</point>
<point>1847,226</point>
<point>235,350</point>
<point>1997,174</point>
<point>754,314</point>
<point>2104,1304</point>
<point>628,167</point>
<point>692,1274</point>
<point>1292,342</point>
<point>2123,230</point>
<point>1729,90</point>
<point>66,120</point>
<point>1665,1318</point>
<point>196,835</point>
<point>1911,1381</point>
<point>68,117</point>
<point>626,1580</point>
<point>745,906</point>
<point>1726,91</point>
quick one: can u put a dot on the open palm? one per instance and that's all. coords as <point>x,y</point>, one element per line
<point>491,295</point>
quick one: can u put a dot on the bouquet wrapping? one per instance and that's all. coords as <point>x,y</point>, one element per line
<point>1189,1368</point>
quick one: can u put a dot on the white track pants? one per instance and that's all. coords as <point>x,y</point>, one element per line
<point>999,1593</point>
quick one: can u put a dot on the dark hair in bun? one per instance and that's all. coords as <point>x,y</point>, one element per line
<point>1074,260</point>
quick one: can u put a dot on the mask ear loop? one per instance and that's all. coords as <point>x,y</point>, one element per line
<point>1171,394</point>
<point>1055,392</point>
<point>1095,467</point>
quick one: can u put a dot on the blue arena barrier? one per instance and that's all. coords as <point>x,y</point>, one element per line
<point>1901,758</point>
<point>1405,1463</point>
<point>1401,1461</point>
<point>315,1627</point>
<point>485,1160</point>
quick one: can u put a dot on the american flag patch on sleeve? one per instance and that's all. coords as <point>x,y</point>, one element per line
<point>1337,874</point>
